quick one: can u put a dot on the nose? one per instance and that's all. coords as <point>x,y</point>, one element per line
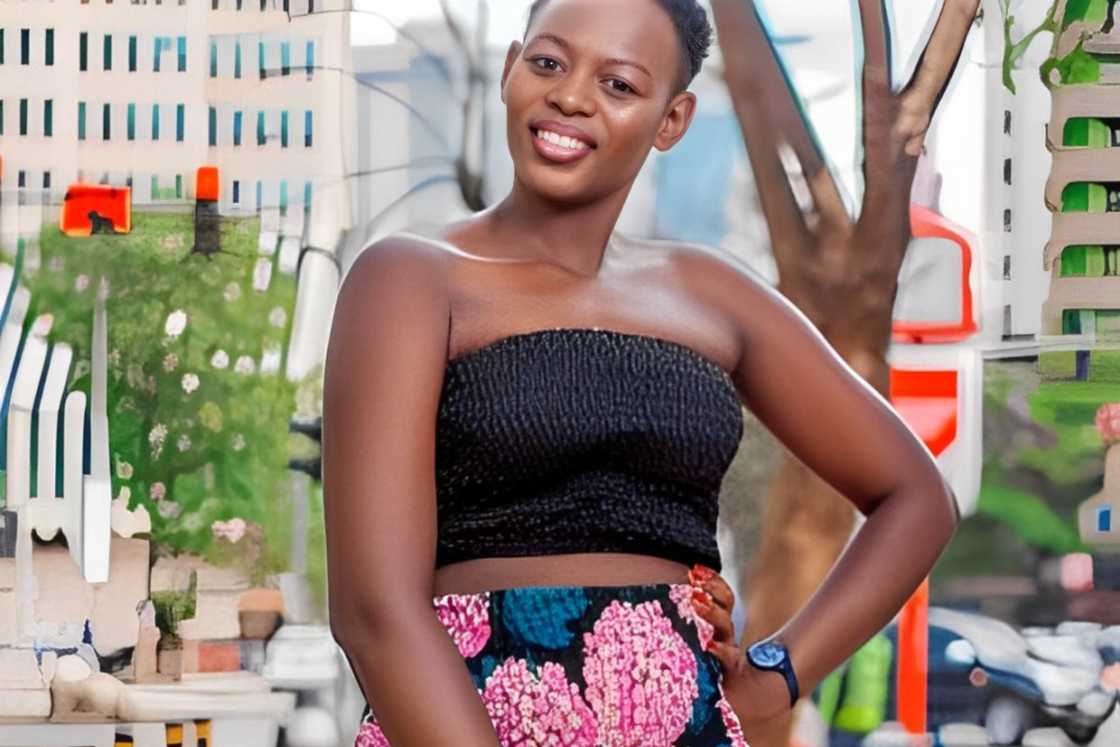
<point>571,95</point>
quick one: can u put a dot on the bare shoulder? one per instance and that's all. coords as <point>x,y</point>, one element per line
<point>402,258</point>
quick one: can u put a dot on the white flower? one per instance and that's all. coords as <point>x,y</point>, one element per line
<point>278,317</point>
<point>232,292</point>
<point>103,289</point>
<point>192,522</point>
<point>125,493</point>
<point>220,359</point>
<point>232,530</point>
<point>170,361</point>
<point>169,509</point>
<point>124,470</point>
<point>157,491</point>
<point>244,365</point>
<point>157,433</point>
<point>134,375</point>
<point>81,283</point>
<point>190,382</point>
<point>184,442</point>
<point>114,357</point>
<point>238,442</point>
<point>176,323</point>
<point>270,359</point>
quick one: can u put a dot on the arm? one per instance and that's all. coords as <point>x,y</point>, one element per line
<point>384,372</point>
<point>847,433</point>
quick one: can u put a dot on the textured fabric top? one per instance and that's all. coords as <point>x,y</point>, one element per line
<point>568,440</point>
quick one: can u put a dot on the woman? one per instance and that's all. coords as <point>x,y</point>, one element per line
<point>527,419</point>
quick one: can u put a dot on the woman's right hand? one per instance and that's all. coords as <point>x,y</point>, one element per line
<point>756,696</point>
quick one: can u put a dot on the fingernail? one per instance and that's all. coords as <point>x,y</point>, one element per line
<point>702,573</point>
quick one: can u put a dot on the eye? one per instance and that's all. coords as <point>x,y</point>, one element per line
<point>537,60</point>
<point>625,86</point>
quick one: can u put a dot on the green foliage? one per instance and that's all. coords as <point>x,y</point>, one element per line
<point>172,607</point>
<point>1068,408</point>
<point>1031,519</point>
<point>197,434</point>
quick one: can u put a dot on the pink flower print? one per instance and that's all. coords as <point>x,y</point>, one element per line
<point>370,735</point>
<point>731,722</point>
<point>528,711</point>
<point>641,676</point>
<point>467,619</point>
<point>682,595</point>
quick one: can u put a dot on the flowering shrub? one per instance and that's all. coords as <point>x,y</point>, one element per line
<point>195,433</point>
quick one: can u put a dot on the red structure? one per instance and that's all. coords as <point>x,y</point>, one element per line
<point>96,208</point>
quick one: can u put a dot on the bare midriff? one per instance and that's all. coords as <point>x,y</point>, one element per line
<point>574,569</point>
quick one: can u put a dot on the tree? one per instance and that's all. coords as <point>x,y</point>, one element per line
<point>841,272</point>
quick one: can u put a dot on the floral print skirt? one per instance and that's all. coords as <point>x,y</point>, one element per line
<point>588,666</point>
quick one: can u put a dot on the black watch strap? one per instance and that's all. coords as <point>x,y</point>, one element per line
<point>773,656</point>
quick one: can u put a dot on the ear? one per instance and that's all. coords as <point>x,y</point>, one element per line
<point>511,57</point>
<point>676,120</point>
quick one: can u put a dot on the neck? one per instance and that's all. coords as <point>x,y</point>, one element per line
<point>573,236</point>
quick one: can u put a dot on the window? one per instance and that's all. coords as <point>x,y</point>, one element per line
<point>182,49</point>
<point>25,46</point>
<point>1,116</point>
<point>1,46</point>
<point>260,128</point>
<point>260,194</point>
<point>180,117</point>
<point>213,59</point>
<point>21,179</point>
<point>23,116</point>
<point>307,129</point>
<point>155,187</point>
<point>310,6</point>
<point>46,180</point>
<point>155,121</point>
<point>107,53</point>
<point>283,196</point>
<point>158,48</point>
<point>106,117</point>
<point>237,59</point>
<point>132,121</point>
<point>285,58</point>
<point>307,196</point>
<point>48,118</point>
<point>236,192</point>
<point>1104,519</point>
<point>260,60</point>
<point>213,127</point>
<point>132,54</point>
<point>178,186</point>
<point>310,57</point>
<point>81,120</point>
<point>83,51</point>
<point>48,44</point>
<point>284,129</point>
<point>237,128</point>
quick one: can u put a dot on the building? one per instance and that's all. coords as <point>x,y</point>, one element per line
<point>144,93</point>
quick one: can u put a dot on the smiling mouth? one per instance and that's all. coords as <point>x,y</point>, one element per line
<point>575,145</point>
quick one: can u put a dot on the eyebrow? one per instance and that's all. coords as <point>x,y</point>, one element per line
<point>561,42</point>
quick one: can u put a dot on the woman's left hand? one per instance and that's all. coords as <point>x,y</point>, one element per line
<point>755,695</point>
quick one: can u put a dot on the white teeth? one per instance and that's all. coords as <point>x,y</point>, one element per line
<point>562,140</point>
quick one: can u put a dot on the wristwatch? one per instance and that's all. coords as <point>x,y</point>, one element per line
<point>772,656</point>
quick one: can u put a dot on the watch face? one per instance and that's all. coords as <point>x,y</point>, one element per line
<point>767,654</point>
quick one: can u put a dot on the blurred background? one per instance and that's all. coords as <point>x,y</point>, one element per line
<point>184,185</point>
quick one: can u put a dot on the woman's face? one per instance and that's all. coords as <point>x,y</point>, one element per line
<point>602,72</point>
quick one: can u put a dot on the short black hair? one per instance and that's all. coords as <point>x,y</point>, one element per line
<point>693,30</point>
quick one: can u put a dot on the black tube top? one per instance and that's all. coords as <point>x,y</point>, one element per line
<point>569,440</point>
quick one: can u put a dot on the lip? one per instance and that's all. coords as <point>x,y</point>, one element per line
<point>557,153</point>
